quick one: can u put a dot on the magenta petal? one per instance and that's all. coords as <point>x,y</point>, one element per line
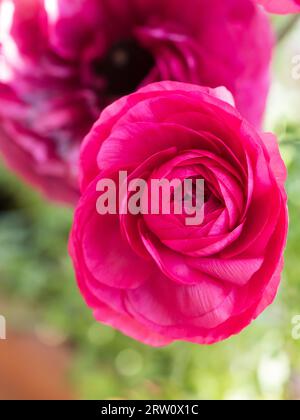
<point>129,326</point>
<point>170,308</point>
<point>276,162</point>
<point>170,281</point>
<point>109,258</point>
<point>238,271</point>
<point>281,6</point>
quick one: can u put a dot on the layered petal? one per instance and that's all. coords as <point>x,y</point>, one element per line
<point>149,273</point>
<point>63,62</point>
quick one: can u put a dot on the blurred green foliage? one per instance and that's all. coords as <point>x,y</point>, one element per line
<point>38,293</point>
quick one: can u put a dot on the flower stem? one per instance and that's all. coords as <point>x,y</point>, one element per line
<point>287,28</point>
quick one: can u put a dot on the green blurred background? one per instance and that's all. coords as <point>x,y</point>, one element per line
<point>43,307</point>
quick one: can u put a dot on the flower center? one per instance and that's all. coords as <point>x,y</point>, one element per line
<point>124,67</point>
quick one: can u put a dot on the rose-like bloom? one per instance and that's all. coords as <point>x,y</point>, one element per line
<point>152,276</point>
<point>281,6</point>
<point>63,61</point>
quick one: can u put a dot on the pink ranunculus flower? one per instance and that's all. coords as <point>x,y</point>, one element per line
<point>153,277</point>
<point>281,6</point>
<point>62,62</point>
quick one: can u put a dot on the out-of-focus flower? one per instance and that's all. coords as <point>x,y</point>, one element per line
<point>63,61</point>
<point>281,6</point>
<point>152,276</point>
